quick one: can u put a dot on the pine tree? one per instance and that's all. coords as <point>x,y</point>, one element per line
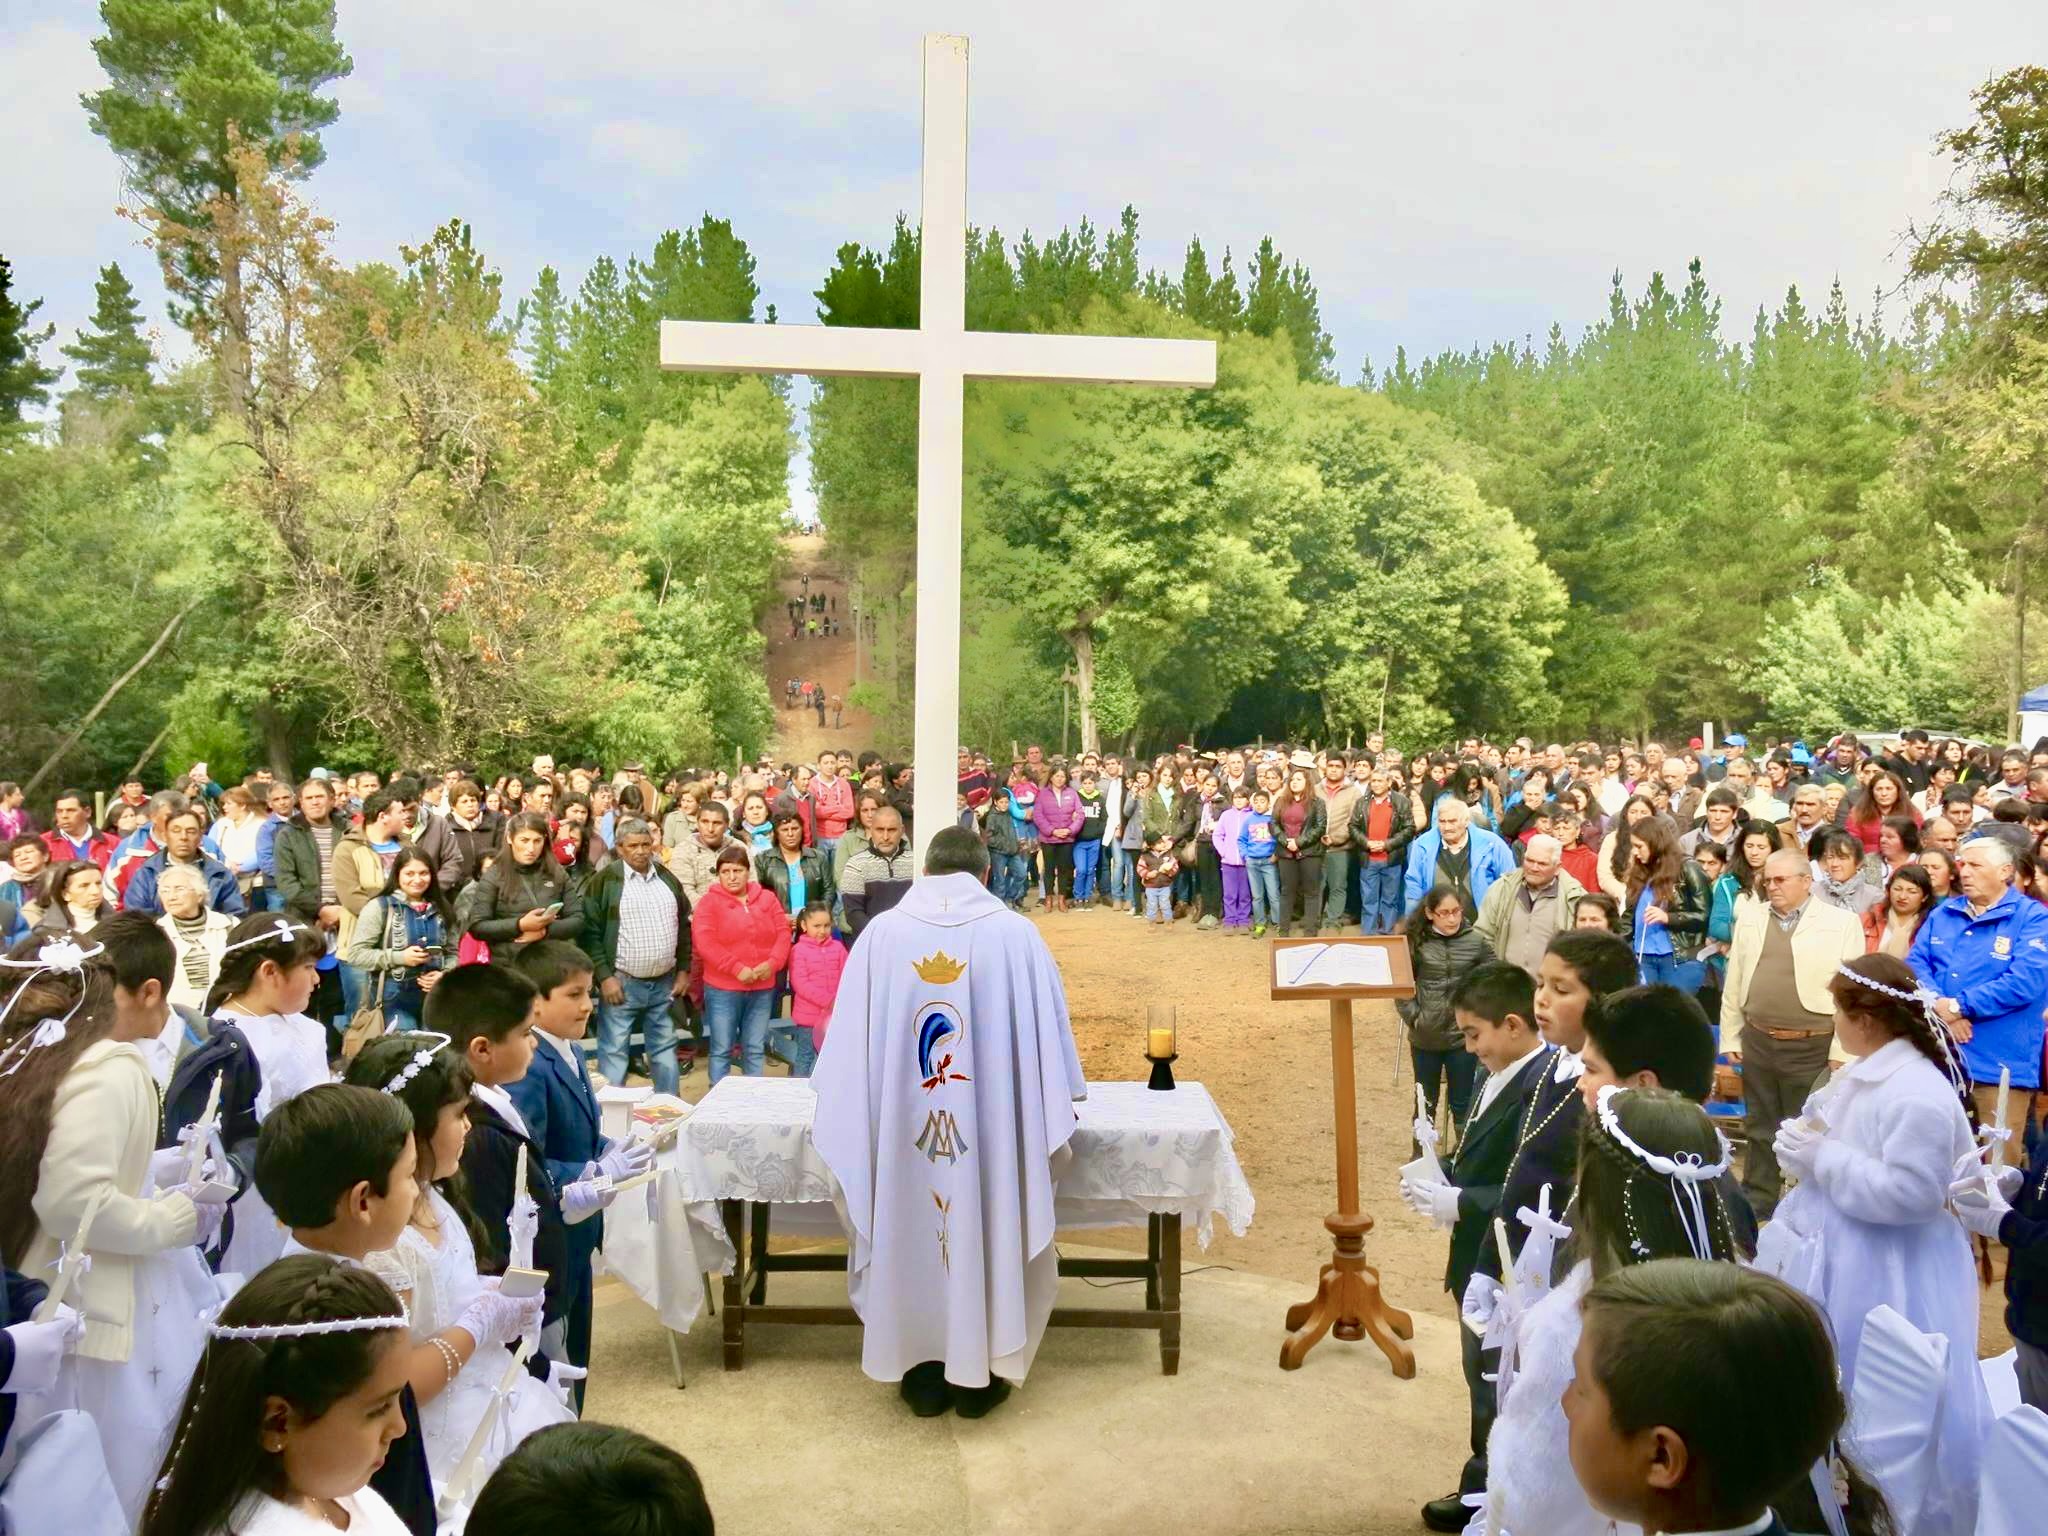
<point>113,356</point>
<point>543,328</point>
<point>24,380</point>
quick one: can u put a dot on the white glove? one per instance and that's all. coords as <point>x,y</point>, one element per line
<point>584,1199</point>
<point>1978,1205</point>
<point>167,1167</point>
<point>621,1160</point>
<point>208,1213</point>
<point>1797,1145</point>
<point>1439,1202</point>
<point>522,1226</point>
<point>1482,1295</point>
<point>1971,1168</point>
<point>39,1351</point>
<point>560,1378</point>
<point>495,1318</point>
<point>1425,1133</point>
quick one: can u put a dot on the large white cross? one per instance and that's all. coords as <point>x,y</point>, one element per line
<point>941,355</point>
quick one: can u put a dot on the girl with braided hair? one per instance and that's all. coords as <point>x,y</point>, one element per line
<point>1649,1165</point>
<point>433,1263</point>
<point>293,1406</point>
<point>78,1134</point>
<point>1869,1223</point>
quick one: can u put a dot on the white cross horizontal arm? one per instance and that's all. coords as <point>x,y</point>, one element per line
<point>845,351</point>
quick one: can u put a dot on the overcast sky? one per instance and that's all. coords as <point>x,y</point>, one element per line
<point>1450,171</point>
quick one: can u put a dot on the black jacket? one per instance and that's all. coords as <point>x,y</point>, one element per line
<point>1486,1150</point>
<point>490,1161</point>
<point>1401,834</point>
<point>1440,964</point>
<point>1686,914</point>
<point>772,870</point>
<point>298,865</point>
<point>1546,1151</point>
<point>225,1053</point>
<point>2025,1232</point>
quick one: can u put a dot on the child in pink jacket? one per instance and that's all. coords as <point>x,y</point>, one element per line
<point>815,961</point>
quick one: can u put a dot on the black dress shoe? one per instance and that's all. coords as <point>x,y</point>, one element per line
<point>1449,1513</point>
<point>924,1388</point>
<point>980,1402</point>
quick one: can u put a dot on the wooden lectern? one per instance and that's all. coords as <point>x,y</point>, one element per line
<point>1347,1297</point>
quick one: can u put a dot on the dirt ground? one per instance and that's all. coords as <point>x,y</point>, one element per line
<point>1267,1065</point>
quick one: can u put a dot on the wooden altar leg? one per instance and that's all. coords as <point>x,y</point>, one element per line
<point>1169,1293</point>
<point>1152,1261</point>
<point>760,1254</point>
<point>735,1286</point>
<point>1347,1298</point>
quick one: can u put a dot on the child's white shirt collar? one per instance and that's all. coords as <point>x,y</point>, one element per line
<point>501,1101</point>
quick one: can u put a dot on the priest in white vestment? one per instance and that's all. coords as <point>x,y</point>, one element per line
<point>946,1089</point>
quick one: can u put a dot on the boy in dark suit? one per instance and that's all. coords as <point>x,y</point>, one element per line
<point>557,1103</point>
<point>488,1012</point>
<point>1495,1009</point>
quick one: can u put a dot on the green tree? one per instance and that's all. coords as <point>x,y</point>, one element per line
<point>24,380</point>
<point>114,395</point>
<point>542,321</point>
<point>189,81</point>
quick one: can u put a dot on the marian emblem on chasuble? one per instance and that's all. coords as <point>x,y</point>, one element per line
<point>941,1031</point>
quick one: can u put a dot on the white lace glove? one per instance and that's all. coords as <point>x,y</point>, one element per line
<point>1979,1205</point>
<point>583,1200</point>
<point>1482,1295</point>
<point>621,1160</point>
<point>494,1318</point>
<point>209,1214</point>
<point>39,1351</point>
<point>561,1378</point>
<point>1797,1145</point>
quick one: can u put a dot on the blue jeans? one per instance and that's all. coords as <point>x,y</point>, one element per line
<point>645,1004</point>
<point>1119,872</point>
<point>1159,902</point>
<point>353,985</point>
<point>1265,878</point>
<point>1379,895</point>
<point>792,1043</point>
<point>1670,971</point>
<point>741,1014</point>
<point>1087,857</point>
<point>1009,877</point>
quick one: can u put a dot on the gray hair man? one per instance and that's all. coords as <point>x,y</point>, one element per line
<point>1526,906</point>
<point>637,934</point>
<point>1777,1015</point>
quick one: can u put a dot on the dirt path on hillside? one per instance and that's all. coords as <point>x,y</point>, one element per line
<point>798,737</point>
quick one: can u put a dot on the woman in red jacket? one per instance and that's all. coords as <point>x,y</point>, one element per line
<point>742,935</point>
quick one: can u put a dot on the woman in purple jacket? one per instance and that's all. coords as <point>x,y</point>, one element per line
<point>1058,816</point>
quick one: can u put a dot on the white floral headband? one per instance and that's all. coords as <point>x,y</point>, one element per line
<point>266,1331</point>
<point>279,932</point>
<point>1685,1172</point>
<point>420,1060</point>
<point>1926,997</point>
<point>63,956</point>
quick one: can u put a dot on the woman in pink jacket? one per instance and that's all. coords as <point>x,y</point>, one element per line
<point>815,961</point>
<point>1058,817</point>
<point>741,933</point>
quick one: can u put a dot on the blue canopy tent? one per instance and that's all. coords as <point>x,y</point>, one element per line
<point>2033,715</point>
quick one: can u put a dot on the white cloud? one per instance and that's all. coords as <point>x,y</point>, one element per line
<point>1450,173</point>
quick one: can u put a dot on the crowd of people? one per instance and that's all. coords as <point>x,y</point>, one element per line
<point>386,985</point>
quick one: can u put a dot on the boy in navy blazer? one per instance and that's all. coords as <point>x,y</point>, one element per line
<point>559,1107</point>
<point>1495,1009</point>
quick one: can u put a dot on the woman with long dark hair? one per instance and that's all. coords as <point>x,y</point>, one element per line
<point>1057,815</point>
<point>1885,795</point>
<point>1298,822</point>
<point>405,935</point>
<point>1757,841</point>
<point>1893,924</point>
<point>1665,904</point>
<point>1615,855</point>
<point>525,894</point>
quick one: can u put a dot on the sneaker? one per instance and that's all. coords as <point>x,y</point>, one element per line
<point>1208,921</point>
<point>1258,930</point>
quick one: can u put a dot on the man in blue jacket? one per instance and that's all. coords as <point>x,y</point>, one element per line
<point>182,834</point>
<point>1455,853</point>
<point>1985,953</point>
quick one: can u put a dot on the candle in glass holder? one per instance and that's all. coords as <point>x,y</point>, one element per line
<point>1161,1030</point>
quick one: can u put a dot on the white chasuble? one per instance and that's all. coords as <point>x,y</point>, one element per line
<point>946,1091</point>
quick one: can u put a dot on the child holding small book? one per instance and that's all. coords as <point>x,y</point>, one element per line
<point>816,961</point>
<point>1157,868</point>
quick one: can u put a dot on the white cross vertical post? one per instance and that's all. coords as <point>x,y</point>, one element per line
<point>942,354</point>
